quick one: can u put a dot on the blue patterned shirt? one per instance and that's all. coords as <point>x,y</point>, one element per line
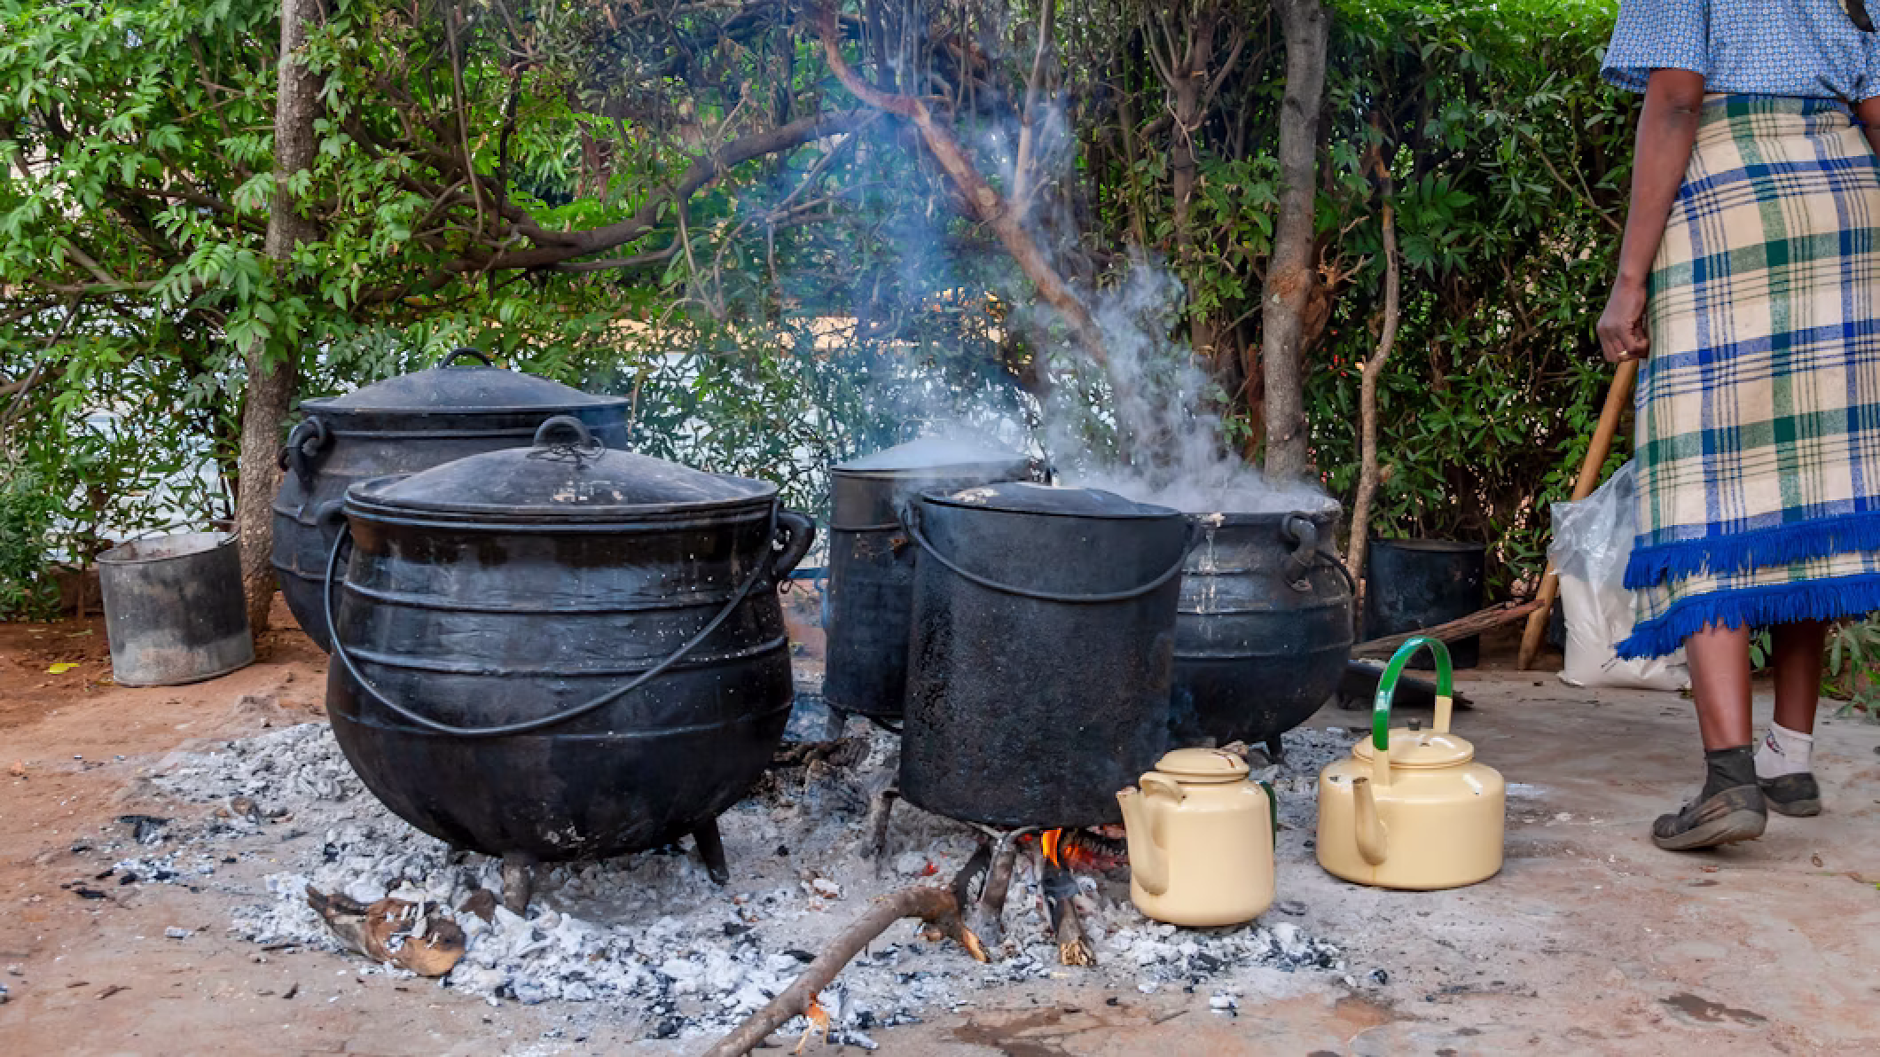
<point>1747,47</point>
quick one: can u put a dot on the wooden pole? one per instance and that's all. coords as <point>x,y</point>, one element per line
<point>1596,452</point>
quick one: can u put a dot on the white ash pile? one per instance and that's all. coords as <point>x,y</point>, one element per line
<point>650,935</point>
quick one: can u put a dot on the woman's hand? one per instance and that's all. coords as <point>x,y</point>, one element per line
<point>1621,326</point>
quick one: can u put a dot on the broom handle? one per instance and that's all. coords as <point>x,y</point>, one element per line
<point>1596,452</point>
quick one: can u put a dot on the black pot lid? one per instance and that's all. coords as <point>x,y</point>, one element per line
<point>450,387</point>
<point>933,454</point>
<point>1024,497</point>
<point>567,474</point>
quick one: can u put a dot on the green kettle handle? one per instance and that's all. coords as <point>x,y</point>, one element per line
<point>1387,688</point>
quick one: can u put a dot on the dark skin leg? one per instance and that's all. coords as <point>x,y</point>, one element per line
<point>1719,660</point>
<point>1798,673</point>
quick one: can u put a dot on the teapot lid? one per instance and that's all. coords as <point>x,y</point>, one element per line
<point>1202,765</point>
<point>1412,747</point>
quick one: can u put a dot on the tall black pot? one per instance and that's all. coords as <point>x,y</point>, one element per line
<point>871,564</point>
<point>1265,626</point>
<point>1415,584</point>
<point>1043,638</point>
<point>398,426</point>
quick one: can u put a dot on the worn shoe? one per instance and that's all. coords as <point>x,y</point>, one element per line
<point>1723,817</point>
<point>1794,795</point>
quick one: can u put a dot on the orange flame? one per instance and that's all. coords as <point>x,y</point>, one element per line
<point>1050,842</point>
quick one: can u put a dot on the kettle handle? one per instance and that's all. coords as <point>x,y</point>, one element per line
<point>1387,688</point>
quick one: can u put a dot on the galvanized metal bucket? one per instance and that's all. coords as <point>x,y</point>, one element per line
<point>173,609</point>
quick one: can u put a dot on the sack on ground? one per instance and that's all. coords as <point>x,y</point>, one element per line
<point>1592,542</point>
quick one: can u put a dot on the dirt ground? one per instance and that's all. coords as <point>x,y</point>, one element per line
<point>1589,941</point>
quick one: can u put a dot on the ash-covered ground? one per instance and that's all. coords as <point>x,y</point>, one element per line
<point>648,938</point>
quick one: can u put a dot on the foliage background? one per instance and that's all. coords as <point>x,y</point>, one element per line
<point>809,302</point>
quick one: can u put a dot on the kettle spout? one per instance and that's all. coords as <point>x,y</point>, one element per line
<point>1370,828</point>
<point>1148,859</point>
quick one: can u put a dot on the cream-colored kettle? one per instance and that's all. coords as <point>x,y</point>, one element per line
<point>1200,840</point>
<point>1411,808</point>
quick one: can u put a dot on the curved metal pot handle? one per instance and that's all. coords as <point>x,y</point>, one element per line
<point>1304,535</point>
<point>455,354</point>
<point>305,442</point>
<point>798,534</point>
<point>759,573</point>
<point>1192,533</point>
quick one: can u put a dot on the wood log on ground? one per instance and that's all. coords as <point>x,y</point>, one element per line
<point>1473,624</point>
<point>936,906</point>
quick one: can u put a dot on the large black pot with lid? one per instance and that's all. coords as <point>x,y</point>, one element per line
<point>1042,645</point>
<point>1264,629</point>
<point>412,422</point>
<point>562,651</point>
<point>871,562</point>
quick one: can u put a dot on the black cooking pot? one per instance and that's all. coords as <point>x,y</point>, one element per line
<point>871,563</point>
<point>1265,626</point>
<point>562,652</point>
<point>1038,668</point>
<point>402,425</point>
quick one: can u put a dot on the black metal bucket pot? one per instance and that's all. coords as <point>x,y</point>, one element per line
<point>1043,638</point>
<point>399,426</point>
<point>562,653</point>
<point>1265,626</point>
<point>173,609</point>
<point>1415,584</point>
<point>871,565</point>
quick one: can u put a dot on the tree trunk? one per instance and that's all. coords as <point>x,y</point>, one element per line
<point>1290,275</point>
<point>271,380</point>
<point>1367,391</point>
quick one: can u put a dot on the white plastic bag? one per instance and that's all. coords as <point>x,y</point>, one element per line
<point>1592,543</point>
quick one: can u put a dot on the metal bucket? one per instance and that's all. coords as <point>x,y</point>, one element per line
<point>173,609</point>
<point>1042,644</point>
<point>1413,584</point>
<point>871,564</point>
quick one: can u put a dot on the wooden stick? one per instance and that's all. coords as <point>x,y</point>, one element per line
<point>934,905</point>
<point>1616,398</point>
<point>1473,624</point>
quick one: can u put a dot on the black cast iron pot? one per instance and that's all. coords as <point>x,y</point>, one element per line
<point>562,652</point>
<point>871,563</point>
<point>1043,637</point>
<point>1265,626</point>
<point>402,425</point>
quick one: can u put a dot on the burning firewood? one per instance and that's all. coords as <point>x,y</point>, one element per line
<point>1059,887</point>
<point>392,931</point>
<point>936,906</point>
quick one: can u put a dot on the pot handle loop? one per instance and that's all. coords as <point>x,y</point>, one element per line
<point>912,524</point>
<point>760,572</point>
<point>797,533</point>
<point>1299,530</point>
<point>564,424</point>
<point>475,354</point>
<point>304,444</point>
<point>1387,688</point>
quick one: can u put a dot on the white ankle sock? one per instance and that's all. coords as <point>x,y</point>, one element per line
<point>1783,751</point>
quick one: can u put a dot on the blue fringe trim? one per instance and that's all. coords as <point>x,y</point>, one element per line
<point>1753,607</point>
<point>1719,555</point>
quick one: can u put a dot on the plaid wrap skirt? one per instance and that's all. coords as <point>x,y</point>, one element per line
<point>1758,411</point>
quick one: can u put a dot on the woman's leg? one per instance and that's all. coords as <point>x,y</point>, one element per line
<point>1719,660</point>
<point>1784,765</point>
<point>1730,807</point>
<point>1798,673</point>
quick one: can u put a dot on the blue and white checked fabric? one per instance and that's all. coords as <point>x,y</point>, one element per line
<point>1807,48</point>
<point>1758,445</point>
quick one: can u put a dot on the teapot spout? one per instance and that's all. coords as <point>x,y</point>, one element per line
<point>1148,858</point>
<point>1370,829</point>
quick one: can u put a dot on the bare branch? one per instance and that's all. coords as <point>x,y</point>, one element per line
<point>1028,120</point>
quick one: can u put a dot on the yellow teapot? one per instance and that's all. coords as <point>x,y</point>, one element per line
<point>1411,808</point>
<point>1200,840</point>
